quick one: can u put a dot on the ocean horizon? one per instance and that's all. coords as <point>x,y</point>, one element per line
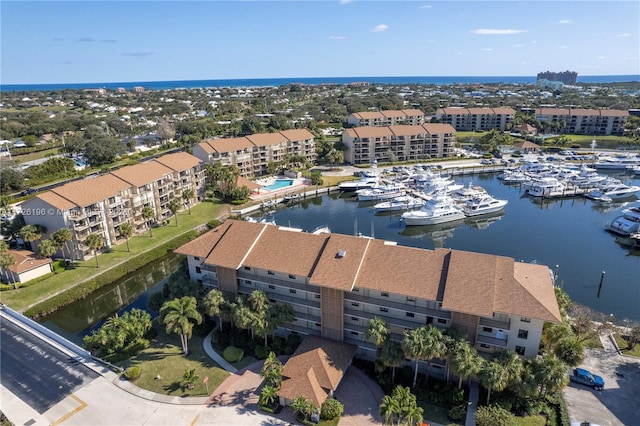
<point>274,82</point>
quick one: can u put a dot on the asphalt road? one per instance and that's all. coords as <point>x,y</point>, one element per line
<point>39,374</point>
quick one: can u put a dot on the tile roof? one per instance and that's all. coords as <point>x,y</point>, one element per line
<point>266,139</point>
<point>228,144</point>
<point>504,110</point>
<point>315,369</point>
<point>367,115</point>
<point>91,190</point>
<point>26,260</point>
<point>207,147</point>
<point>297,134</point>
<point>413,112</point>
<point>406,130</point>
<point>55,200</point>
<point>179,161</point>
<point>433,128</point>
<point>143,173</point>
<point>369,132</point>
<point>392,114</point>
<point>242,181</point>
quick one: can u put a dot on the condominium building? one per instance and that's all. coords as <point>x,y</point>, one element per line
<point>387,118</point>
<point>585,121</point>
<point>471,119</point>
<point>336,284</point>
<point>101,204</point>
<point>253,153</point>
<point>398,143</point>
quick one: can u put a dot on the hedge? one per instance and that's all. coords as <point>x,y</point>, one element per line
<point>81,291</point>
<point>233,354</point>
<point>132,373</point>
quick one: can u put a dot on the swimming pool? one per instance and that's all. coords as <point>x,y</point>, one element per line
<point>278,184</point>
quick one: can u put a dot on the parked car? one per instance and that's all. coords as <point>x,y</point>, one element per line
<point>585,377</point>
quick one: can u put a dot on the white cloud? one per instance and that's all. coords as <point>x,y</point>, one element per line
<point>565,21</point>
<point>338,37</point>
<point>518,45</point>
<point>623,35</point>
<point>488,31</point>
<point>380,28</point>
<point>487,49</point>
<point>426,6</point>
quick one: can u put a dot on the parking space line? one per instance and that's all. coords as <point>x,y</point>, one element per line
<point>71,413</point>
<point>195,420</point>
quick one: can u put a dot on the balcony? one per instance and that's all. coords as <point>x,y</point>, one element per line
<point>494,323</point>
<point>491,341</point>
<point>431,312</point>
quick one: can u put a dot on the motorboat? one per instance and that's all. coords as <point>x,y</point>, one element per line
<point>628,223</point>
<point>485,204</point>
<point>614,191</point>
<point>381,192</point>
<point>617,163</point>
<point>514,177</point>
<point>366,182</point>
<point>404,202</point>
<point>545,187</point>
<point>466,193</point>
<point>439,209</point>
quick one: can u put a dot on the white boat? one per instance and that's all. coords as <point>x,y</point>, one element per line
<point>514,177</point>
<point>405,202</point>
<point>617,163</point>
<point>628,223</point>
<point>366,182</point>
<point>545,187</point>
<point>614,191</point>
<point>466,193</point>
<point>485,204</point>
<point>381,192</point>
<point>321,230</point>
<point>439,209</point>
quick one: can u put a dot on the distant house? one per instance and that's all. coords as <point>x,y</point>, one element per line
<point>527,146</point>
<point>525,128</point>
<point>26,267</point>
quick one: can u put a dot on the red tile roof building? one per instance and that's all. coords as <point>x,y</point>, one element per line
<point>581,121</point>
<point>471,119</point>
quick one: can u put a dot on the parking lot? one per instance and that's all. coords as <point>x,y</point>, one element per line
<point>617,403</point>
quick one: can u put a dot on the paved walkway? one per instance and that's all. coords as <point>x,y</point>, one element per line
<point>474,393</point>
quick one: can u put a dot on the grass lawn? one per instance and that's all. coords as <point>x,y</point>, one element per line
<point>436,414</point>
<point>35,155</point>
<point>26,297</point>
<point>164,358</point>
<point>622,344</point>
<point>593,342</point>
<point>531,421</point>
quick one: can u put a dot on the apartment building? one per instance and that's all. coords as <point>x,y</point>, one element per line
<point>398,143</point>
<point>253,153</point>
<point>413,117</point>
<point>337,283</point>
<point>471,119</point>
<point>101,204</point>
<point>580,121</point>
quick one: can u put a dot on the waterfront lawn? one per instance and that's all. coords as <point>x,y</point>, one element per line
<point>622,344</point>
<point>164,358</point>
<point>25,297</point>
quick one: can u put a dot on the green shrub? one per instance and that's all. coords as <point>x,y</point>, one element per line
<point>331,408</point>
<point>262,352</point>
<point>213,223</point>
<point>132,373</point>
<point>493,415</point>
<point>233,354</point>
<point>458,412</point>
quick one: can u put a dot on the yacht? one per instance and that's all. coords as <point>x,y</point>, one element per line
<point>483,205</point>
<point>439,209</point>
<point>628,223</point>
<point>617,163</point>
<point>545,187</point>
<point>381,192</point>
<point>366,182</point>
<point>404,202</point>
<point>614,191</point>
<point>467,193</point>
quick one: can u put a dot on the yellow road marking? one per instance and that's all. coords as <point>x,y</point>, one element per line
<point>195,420</point>
<point>71,413</point>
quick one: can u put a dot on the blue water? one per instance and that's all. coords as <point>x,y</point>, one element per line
<point>569,233</point>
<point>278,184</point>
<point>268,82</point>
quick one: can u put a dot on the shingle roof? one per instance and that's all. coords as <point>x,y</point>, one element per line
<point>179,161</point>
<point>266,139</point>
<point>369,132</point>
<point>297,134</point>
<point>56,200</point>
<point>143,173</point>
<point>91,190</point>
<point>315,368</point>
<point>26,260</point>
<point>227,145</point>
<point>205,243</point>
<point>405,130</point>
<point>337,271</point>
<point>433,128</point>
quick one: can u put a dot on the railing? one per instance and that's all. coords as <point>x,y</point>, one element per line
<point>491,341</point>
<point>488,322</point>
<point>399,306</point>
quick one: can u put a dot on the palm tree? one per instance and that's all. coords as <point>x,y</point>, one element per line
<point>47,248</point>
<point>389,409</point>
<point>570,351</point>
<point>434,345</point>
<point>271,370</point>
<point>179,315</point>
<point>391,355</point>
<point>302,405</point>
<point>268,395</point>
<point>61,237</point>
<point>465,362</point>
<point>30,233</point>
<point>413,346</point>
<point>126,231</point>
<point>174,206</point>
<point>493,376</point>
<point>553,333</point>
<point>148,213</point>
<point>377,331</point>
<point>95,243</point>
<point>512,365</point>
<point>6,260</point>
<point>190,377</point>
<point>187,195</point>
<point>213,302</point>
<point>551,374</point>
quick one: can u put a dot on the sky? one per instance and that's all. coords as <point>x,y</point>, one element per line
<point>47,42</point>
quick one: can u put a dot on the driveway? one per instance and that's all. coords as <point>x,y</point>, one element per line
<point>617,403</point>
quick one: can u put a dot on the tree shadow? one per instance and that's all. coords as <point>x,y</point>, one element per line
<point>173,387</point>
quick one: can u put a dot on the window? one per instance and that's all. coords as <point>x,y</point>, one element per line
<point>356,304</point>
<point>198,270</point>
<point>270,273</point>
<point>354,319</point>
<point>525,319</point>
<point>272,287</point>
<point>411,299</point>
<point>520,350</point>
<point>293,277</point>
<point>487,329</point>
<point>246,268</point>
<point>410,314</point>
<point>442,321</point>
<point>292,291</point>
<point>317,296</point>
<point>318,324</point>
<point>384,294</point>
<point>523,334</point>
<point>355,333</point>
<point>482,345</point>
<point>196,258</point>
<point>356,289</point>
<point>384,310</point>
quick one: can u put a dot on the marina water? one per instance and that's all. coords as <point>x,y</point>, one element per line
<point>569,233</point>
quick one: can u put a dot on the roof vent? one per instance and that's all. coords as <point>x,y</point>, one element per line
<point>341,254</point>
